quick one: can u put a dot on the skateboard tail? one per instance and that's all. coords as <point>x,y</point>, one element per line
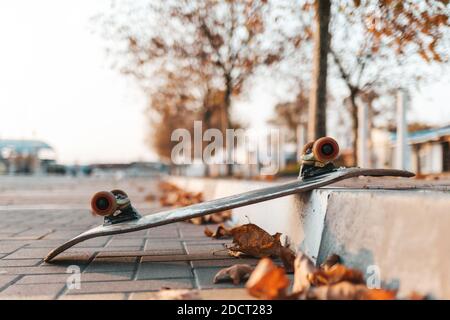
<point>231,202</point>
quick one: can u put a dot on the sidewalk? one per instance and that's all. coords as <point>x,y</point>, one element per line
<point>38,214</point>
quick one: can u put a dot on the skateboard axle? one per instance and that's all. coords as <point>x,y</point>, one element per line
<point>317,157</point>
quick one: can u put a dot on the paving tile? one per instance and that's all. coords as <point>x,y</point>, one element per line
<point>27,297</point>
<point>7,247</point>
<point>132,286</point>
<point>118,264</point>
<point>191,231</point>
<point>84,277</point>
<point>163,270</point>
<point>98,296</point>
<point>206,248</point>
<point>28,253</point>
<point>163,232</point>
<point>226,294</point>
<point>26,290</point>
<point>223,262</point>
<point>194,295</point>
<point>71,257</point>
<point>52,243</point>
<point>141,234</point>
<point>63,234</point>
<point>5,280</point>
<point>19,263</point>
<point>34,270</point>
<point>34,233</point>
<point>117,242</point>
<point>158,247</point>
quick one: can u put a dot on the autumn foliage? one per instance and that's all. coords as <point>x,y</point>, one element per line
<point>173,196</point>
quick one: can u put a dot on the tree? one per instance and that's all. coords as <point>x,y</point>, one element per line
<point>317,102</point>
<point>376,41</point>
<point>220,43</point>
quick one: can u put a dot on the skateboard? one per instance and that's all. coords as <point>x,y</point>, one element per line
<point>317,170</point>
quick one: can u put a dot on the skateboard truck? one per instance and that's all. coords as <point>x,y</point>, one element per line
<point>114,206</point>
<point>317,156</point>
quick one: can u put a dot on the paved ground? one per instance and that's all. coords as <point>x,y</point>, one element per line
<point>37,214</point>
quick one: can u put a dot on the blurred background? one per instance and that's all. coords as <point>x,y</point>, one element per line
<point>93,88</point>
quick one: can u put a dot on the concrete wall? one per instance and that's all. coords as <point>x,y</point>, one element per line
<point>405,234</point>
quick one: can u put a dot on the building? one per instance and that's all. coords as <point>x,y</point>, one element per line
<point>428,150</point>
<point>25,157</point>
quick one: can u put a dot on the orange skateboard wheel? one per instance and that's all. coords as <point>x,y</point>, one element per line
<point>325,149</point>
<point>103,203</point>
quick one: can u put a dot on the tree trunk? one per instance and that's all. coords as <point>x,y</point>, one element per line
<point>318,97</point>
<point>225,120</point>
<point>355,124</point>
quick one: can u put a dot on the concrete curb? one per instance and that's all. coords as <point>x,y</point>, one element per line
<point>401,237</point>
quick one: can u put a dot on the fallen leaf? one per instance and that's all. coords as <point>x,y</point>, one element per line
<point>268,281</point>
<point>416,296</point>
<point>330,261</point>
<point>174,196</point>
<point>236,273</point>
<point>254,241</point>
<point>220,233</point>
<point>378,294</point>
<point>340,291</point>
<point>288,258</point>
<point>150,197</point>
<point>208,232</point>
<point>303,269</point>
<point>334,274</point>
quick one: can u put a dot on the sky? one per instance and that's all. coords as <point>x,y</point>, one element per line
<point>56,85</point>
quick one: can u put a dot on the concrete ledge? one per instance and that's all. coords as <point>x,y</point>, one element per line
<point>404,234</point>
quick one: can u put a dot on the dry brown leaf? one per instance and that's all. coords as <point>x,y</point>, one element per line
<point>268,281</point>
<point>236,273</point>
<point>196,220</point>
<point>220,217</point>
<point>288,258</point>
<point>416,296</point>
<point>208,232</point>
<point>378,294</point>
<point>174,196</point>
<point>330,261</point>
<point>256,242</point>
<point>303,268</point>
<point>221,232</point>
<point>334,274</point>
<point>340,291</point>
<point>236,254</point>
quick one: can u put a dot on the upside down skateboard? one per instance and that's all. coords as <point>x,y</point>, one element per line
<point>317,170</point>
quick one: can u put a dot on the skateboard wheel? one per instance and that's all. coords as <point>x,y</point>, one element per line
<point>307,146</point>
<point>325,149</point>
<point>119,192</point>
<point>103,203</point>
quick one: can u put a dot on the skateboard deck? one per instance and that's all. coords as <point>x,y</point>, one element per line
<point>230,202</point>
